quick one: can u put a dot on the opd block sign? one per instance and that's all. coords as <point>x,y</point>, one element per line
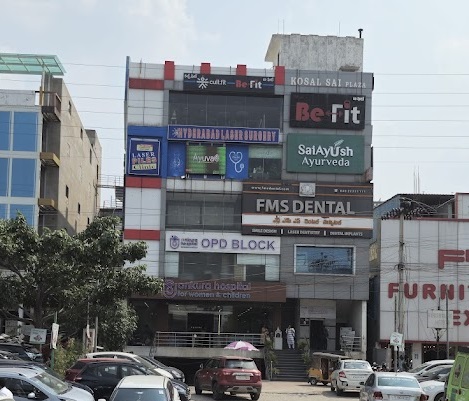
<point>228,83</point>
<point>319,110</point>
<point>144,156</point>
<point>339,154</point>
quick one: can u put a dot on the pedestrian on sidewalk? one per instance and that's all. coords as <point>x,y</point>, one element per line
<point>290,332</point>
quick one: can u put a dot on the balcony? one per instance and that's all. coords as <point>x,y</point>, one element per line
<point>49,159</point>
<point>46,205</point>
<point>51,107</point>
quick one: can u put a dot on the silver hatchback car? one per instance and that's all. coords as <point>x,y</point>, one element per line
<point>348,374</point>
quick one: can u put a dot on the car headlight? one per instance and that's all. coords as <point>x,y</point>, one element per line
<point>431,387</point>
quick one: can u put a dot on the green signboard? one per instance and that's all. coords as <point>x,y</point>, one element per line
<point>337,154</point>
<point>204,159</point>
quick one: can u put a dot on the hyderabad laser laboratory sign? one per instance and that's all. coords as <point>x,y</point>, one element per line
<point>339,154</point>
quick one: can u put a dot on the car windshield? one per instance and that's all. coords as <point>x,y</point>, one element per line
<point>356,365</point>
<point>396,381</point>
<point>144,362</point>
<point>56,385</point>
<point>154,362</point>
<point>140,394</point>
<point>419,368</point>
<point>240,364</point>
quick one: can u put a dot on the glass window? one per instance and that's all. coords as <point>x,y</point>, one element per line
<point>265,162</point>
<point>3,211</point>
<point>26,210</point>
<point>206,266</point>
<point>4,130</point>
<point>225,110</point>
<point>25,132</point>
<point>141,394</point>
<point>23,177</point>
<point>324,259</point>
<point>3,177</point>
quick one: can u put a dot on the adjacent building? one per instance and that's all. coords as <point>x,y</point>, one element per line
<point>251,188</point>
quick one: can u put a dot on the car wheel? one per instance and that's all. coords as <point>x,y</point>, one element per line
<point>313,381</point>
<point>338,391</point>
<point>198,390</point>
<point>217,394</point>
<point>255,396</point>
<point>439,397</point>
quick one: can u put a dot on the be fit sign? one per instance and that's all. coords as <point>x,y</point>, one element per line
<point>339,154</point>
<point>180,241</point>
<point>318,110</point>
<point>228,83</point>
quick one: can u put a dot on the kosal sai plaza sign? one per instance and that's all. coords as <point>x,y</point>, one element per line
<point>319,110</point>
<point>184,241</point>
<point>339,154</point>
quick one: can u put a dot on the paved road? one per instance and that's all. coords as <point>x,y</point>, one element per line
<point>285,391</point>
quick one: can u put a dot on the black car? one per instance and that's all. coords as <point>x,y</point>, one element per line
<point>103,374</point>
<point>17,349</point>
<point>177,373</point>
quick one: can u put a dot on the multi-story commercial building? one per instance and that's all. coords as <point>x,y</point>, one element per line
<point>419,261</point>
<point>252,190</point>
<point>49,164</point>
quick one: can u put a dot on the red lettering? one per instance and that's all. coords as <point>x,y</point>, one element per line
<point>456,316</point>
<point>241,84</point>
<point>316,114</point>
<point>415,290</point>
<point>466,322</point>
<point>302,111</point>
<point>450,255</point>
<point>428,290</point>
<point>393,288</point>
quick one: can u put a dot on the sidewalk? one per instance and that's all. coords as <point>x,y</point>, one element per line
<point>284,387</point>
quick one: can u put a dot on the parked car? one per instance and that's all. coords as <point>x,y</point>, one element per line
<point>435,389</point>
<point>420,369</point>
<point>30,383</point>
<point>103,375</point>
<point>144,388</point>
<point>236,375</point>
<point>458,378</point>
<point>177,373</point>
<point>16,348</point>
<point>348,374</point>
<point>130,357</point>
<point>391,386</point>
<point>434,373</point>
<point>9,355</point>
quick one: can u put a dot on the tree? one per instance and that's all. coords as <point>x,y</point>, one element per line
<point>117,326</point>
<point>56,272</point>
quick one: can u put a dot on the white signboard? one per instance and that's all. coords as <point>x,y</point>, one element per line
<point>38,336</point>
<point>180,241</point>
<point>54,336</point>
<point>436,319</point>
<point>395,339</point>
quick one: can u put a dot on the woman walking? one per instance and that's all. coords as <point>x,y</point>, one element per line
<point>290,332</point>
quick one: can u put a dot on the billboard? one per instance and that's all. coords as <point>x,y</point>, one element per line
<point>324,259</point>
<point>337,154</point>
<point>223,134</point>
<point>204,159</point>
<point>319,110</point>
<point>314,209</point>
<point>228,83</point>
<point>144,156</point>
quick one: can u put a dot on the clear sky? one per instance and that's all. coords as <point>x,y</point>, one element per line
<point>418,51</point>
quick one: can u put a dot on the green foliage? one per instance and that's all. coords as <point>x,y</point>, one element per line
<point>66,354</point>
<point>117,326</point>
<point>77,276</point>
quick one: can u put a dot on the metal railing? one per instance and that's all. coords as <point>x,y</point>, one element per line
<point>202,339</point>
<point>350,344</point>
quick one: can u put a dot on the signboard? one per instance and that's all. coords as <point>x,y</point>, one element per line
<point>203,159</point>
<point>38,336</point>
<point>226,290</point>
<point>237,161</point>
<point>144,156</point>
<point>228,83</point>
<point>396,339</point>
<point>179,241</point>
<point>54,335</point>
<point>311,259</point>
<point>223,134</point>
<point>319,110</point>
<point>337,154</point>
<point>315,209</point>
<point>329,79</point>
<point>436,319</point>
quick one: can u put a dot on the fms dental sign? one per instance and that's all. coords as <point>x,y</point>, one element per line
<point>184,241</point>
<point>339,154</point>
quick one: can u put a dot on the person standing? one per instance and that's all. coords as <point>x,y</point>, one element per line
<point>290,332</point>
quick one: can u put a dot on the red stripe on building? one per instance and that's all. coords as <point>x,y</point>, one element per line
<point>169,70</point>
<point>142,182</point>
<point>140,83</point>
<point>151,235</point>
<point>241,69</point>
<point>279,75</point>
<point>205,68</point>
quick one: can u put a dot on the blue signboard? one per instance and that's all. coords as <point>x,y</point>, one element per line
<point>144,156</point>
<point>176,159</point>
<point>223,134</point>
<point>237,161</point>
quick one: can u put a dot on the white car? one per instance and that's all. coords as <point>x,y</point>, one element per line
<point>131,357</point>
<point>144,388</point>
<point>348,375</point>
<point>418,370</point>
<point>435,389</point>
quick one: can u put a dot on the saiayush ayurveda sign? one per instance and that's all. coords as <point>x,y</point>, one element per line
<point>342,154</point>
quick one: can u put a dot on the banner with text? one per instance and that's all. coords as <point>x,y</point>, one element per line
<point>144,156</point>
<point>228,83</point>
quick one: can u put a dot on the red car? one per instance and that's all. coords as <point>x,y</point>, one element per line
<point>236,375</point>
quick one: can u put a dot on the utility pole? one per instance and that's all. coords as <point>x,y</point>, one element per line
<point>400,294</point>
<point>447,327</point>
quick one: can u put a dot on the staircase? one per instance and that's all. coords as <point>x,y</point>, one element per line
<point>290,366</point>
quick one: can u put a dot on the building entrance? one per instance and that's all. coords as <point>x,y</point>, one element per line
<point>317,335</point>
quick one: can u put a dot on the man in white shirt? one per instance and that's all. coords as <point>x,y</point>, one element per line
<point>3,390</point>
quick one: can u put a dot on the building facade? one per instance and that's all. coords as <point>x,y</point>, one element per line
<point>252,190</point>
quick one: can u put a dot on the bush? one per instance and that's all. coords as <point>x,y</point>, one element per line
<point>66,355</point>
